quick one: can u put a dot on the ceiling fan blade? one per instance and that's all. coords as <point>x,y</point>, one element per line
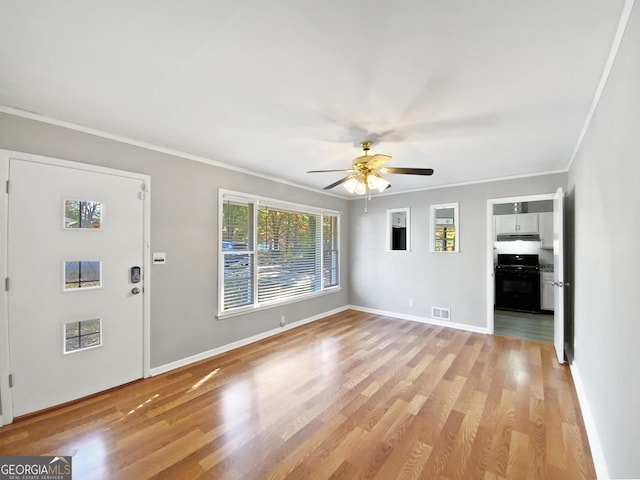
<point>374,162</point>
<point>322,171</point>
<point>408,171</point>
<point>339,182</point>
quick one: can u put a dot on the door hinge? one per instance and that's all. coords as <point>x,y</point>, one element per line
<point>6,284</point>
<point>11,380</point>
<point>7,187</point>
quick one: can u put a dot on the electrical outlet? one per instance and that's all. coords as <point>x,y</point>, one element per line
<point>283,321</point>
<point>411,302</point>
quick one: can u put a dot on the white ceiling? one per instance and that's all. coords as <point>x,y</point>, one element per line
<point>474,89</point>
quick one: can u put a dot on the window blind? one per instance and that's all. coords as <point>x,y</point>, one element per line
<point>330,250</point>
<point>289,253</point>
<point>238,254</point>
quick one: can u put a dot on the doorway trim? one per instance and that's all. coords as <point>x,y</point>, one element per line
<point>490,235</point>
<point>6,398</point>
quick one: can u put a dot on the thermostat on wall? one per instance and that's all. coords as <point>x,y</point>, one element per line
<point>159,258</point>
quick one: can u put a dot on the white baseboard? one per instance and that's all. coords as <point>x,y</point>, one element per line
<point>592,435</point>
<point>240,343</point>
<point>416,318</point>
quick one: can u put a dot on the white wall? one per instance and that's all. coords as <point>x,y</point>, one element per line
<point>603,184</point>
<point>386,281</point>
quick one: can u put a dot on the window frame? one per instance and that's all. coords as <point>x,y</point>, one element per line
<point>258,202</point>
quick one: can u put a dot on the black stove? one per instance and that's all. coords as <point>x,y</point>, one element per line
<point>508,262</point>
<point>517,278</point>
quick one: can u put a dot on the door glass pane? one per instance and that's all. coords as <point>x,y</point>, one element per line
<point>81,274</point>
<point>82,214</point>
<point>82,335</point>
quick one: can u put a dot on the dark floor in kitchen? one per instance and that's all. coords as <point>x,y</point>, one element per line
<point>537,327</point>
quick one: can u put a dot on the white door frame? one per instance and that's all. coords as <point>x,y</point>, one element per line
<point>6,399</point>
<point>490,236</point>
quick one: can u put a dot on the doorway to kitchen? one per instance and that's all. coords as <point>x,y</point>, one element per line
<point>521,264</point>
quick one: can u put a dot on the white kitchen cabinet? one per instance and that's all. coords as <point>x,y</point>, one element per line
<point>546,291</point>
<point>546,230</point>
<point>520,223</point>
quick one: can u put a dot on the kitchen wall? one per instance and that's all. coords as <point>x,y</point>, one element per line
<point>388,281</point>
<point>184,223</point>
<point>603,188</point>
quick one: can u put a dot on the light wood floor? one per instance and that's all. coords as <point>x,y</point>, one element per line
<point>351,396</point>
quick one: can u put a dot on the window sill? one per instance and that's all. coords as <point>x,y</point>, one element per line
<point>236,312</point>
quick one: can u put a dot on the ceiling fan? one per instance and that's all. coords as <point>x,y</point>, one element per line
<point>366,172</point>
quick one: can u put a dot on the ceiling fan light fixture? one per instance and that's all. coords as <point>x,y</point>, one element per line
<point>351,184</point>
<point>361,187</point>
<point>376,182</point>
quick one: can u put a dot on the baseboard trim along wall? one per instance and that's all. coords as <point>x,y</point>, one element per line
<point>240,343</point>
<point>594,441</point>
<point>416,318</point>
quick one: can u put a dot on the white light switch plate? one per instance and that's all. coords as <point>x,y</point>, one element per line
<point>159,258</point>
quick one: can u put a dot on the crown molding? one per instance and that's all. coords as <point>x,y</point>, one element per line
<point>613,52</point>
<point>18,112</point>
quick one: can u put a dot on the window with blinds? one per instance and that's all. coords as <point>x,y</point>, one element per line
<point>238,254</point>
<point>330,250</point>
<point>273,252</point>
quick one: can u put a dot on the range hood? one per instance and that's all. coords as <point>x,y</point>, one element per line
<point>512,237</point>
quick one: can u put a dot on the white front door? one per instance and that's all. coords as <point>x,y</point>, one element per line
<point>75,313</point>
<point>558,274</point>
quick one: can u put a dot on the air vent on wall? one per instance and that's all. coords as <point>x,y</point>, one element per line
<point>440,313</point>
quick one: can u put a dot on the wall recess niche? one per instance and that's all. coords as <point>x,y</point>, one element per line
<point>445,228</point>
<point>399,230</point>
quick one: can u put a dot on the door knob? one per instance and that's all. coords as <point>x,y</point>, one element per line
<point>135,290</point>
